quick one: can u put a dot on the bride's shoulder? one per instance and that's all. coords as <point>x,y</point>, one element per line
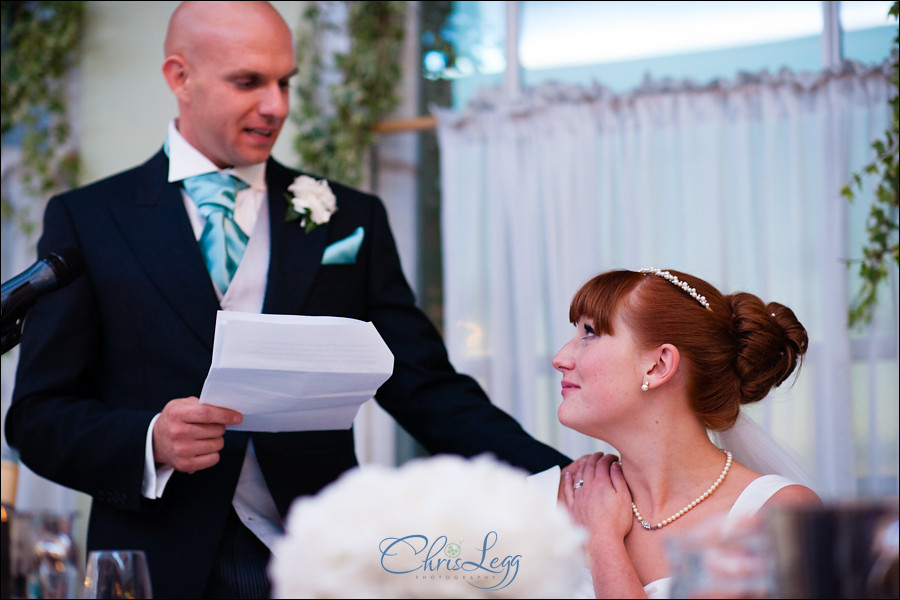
<point>794,495</point>
<point>771,490</point>
<point>775,490</point>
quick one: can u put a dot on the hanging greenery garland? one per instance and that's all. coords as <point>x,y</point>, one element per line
<point>882,246</point>
<point>336,118</point>
<point>40,45</point>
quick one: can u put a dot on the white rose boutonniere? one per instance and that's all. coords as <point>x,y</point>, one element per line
<point>313,202</point>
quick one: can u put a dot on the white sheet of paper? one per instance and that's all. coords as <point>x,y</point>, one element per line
<point>547,484</point>
<point>294,372</point>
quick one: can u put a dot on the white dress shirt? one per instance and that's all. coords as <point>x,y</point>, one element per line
<point>252,500</point>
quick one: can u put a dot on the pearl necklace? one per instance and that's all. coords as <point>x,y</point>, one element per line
<point>646,525</point>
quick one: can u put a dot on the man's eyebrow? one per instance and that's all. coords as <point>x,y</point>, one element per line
<point>244,74</point>
<point>251,74</point>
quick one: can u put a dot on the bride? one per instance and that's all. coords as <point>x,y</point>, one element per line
<point>657,360</point>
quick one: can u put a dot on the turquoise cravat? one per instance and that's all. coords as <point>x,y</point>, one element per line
<point>222,241</point>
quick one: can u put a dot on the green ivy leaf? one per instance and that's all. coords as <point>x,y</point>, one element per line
<point>40,45</point>
<point>882,225</point>
<point>336,146</point>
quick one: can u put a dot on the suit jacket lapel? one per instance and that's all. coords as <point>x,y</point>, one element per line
<point>296,255</point>
<point>159,232</point>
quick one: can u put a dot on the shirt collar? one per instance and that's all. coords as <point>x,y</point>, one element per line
<point>186,161</point>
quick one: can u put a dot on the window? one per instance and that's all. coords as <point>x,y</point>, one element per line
<point>619,44</point>
<point>867,34</point>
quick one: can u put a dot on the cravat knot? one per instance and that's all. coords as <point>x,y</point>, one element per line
<point>222,242</point>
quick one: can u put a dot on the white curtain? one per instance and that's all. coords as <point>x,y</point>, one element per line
<point>737,182</point>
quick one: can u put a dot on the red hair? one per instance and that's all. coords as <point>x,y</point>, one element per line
<point>734,353</point>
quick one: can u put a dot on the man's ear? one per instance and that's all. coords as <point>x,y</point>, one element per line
<point>662,365</point>
<point>175,70</point>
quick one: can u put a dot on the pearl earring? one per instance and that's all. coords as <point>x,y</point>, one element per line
<point>645,386</point>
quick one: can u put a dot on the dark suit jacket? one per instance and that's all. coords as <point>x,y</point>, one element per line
<point>101,356</point>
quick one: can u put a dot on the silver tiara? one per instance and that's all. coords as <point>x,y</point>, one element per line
<point>678,283</point>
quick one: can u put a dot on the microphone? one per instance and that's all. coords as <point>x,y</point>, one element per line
<point>18,294</point>
<point>53,271</point>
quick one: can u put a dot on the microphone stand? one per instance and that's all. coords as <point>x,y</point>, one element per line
<point>12,335</point>
<point>14,317</point>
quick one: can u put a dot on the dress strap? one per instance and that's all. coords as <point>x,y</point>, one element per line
<point>754,497</point>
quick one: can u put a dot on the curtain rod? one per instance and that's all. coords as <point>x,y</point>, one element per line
<point>425,123</point>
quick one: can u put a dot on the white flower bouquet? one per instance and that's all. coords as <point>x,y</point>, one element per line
<point>441,527</point>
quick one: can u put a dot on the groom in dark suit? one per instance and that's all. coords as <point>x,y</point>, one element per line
<point>111,365</point>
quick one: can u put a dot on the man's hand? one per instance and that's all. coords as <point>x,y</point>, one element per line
<point>188,435</point>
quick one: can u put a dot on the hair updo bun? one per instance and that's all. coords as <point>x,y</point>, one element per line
<point>770,344</point>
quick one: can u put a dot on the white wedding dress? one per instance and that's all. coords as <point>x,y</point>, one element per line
<point>746,506</point>
<point>756,449</point>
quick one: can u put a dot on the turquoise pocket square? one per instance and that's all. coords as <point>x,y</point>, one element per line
<point>343,252</point>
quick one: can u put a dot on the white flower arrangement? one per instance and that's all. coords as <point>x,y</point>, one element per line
<point>313,202</point>
<point>441,527</point>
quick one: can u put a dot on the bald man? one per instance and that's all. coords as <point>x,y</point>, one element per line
<point>111,365</point>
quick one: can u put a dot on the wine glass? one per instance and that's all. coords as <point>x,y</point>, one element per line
<point>117,574</point>
<point>45,556</point>
<point>712,561</point>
